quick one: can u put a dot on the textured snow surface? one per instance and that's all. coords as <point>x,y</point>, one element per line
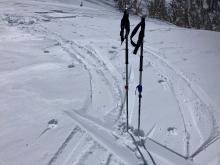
<point>62,77</point>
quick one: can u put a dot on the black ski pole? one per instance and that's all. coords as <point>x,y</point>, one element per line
<point>125,26</point>
<point>137,46</point>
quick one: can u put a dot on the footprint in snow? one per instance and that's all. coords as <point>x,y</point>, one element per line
<point>46,51</point>
<point>164,82</point>
<point>71,66</point>
<point>172,130</point>
<point>50,125</point>
<point>161,81</point>
<point>112,51</point>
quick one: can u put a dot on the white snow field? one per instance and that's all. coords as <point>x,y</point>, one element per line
<point>62,77</point>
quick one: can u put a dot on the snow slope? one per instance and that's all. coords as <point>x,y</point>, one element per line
<point>62,88</point>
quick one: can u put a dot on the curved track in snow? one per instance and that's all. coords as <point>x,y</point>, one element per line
<point>191,100</point>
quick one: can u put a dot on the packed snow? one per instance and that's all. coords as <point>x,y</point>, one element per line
<point>62,78</point>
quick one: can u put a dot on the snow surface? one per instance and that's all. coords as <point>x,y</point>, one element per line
<point>62,88</point>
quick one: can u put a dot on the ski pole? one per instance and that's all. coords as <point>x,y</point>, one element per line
<point>125,26</point>
<point>137,46</point>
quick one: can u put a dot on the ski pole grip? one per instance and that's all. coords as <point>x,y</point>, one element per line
<point>140,36</point>
<point>125,26</point>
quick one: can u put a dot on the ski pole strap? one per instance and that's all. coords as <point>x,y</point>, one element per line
<point>140,37</point>
<point>125,26</point>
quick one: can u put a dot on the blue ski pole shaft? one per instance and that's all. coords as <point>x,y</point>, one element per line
<point>140,87</point>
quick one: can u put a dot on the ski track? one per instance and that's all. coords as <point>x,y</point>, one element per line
<point>90,64</point>
<point>75,149</point>
<point>108,159</point>
<point>105,138</point>
<point>85,154</point>
<point>64,144</point>
<point>114,75</point>
<point>158,150</point>
<point>200,95</point>
<point>151,157</point>
<point>138,149</point>
<point>181,109</point>
<point>149,149</point>
<point>79,151</point>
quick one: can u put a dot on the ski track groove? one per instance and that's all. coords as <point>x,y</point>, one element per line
<point>85,154</point>
<point>138,149</point>
<point>108,159</point>
<point>151,157</point>
<point>163,146</point>
<point>118,94</point>
<point>81,140</point>
<point>182,117</point>
<point>64,144</point>
<point>205,145</point>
